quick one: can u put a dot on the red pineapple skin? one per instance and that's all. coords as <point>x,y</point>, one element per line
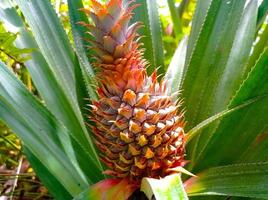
<point>138,126</point>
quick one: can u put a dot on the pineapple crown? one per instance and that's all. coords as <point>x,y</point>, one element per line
<point>113,36</point>
<point>119,60</point>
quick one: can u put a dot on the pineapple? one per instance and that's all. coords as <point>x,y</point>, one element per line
<point>139,128</point>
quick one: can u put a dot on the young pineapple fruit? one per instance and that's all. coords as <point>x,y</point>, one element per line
<point>138,129</point>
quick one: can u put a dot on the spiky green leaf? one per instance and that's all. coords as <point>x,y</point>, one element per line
<point>50,89</point>
<point>50,181</point>
<point>41,133</point>
<point>246,126</point>
<point>175,69</point>
<point>147,13</point>
<point>262,13</point>
<point>217,63</point>
<point>80,36</point>
<point>244,180</point>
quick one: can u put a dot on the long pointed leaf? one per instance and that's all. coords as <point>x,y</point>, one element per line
<point>211,63</point>
<point>51,183</point>
<point>175,69</point>
<point>209,57</point>
<point>39,130</point>
<point>226,84</point>
<point>244,180</point>
<point>51,39</point>
<point>198,21</point>
<point>198,128</point>
<point>47,29</point>
<point>147,13</point>
<point>245,126</point>
<point>79,35</point>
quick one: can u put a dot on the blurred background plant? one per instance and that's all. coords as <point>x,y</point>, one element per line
<point>182,13</point>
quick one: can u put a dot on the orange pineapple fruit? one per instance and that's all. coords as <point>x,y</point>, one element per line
<point>139,129</point>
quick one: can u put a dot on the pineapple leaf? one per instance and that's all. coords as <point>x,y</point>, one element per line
<point>209,57</point>
<point>170,187</point>
<point>217,62</point>
<point>258,48</point>
<point>235,69</point>
<point>79,34</point>
<point>52,41</point>
<point>49,88</point>
<point>176,20</point>
<point>109,189</point>
<point>50,181</point>
<point>198,22</point>
<point>243,180</point>
<point>147,13</point>
<point>230,78</point>
<point>262,13</point>
<point>41,133</point>
<point>175,69</point>
<point>224,114</point>
<point>248,126</point>
<point>56,48</point>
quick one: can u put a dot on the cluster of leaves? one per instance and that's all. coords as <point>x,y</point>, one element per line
<point>14,58</point>
<point>222,77</point>
<point>16,177</point>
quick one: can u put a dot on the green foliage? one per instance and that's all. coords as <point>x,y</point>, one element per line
<point>248,131</point>
<point>13,56</point>
<point>246,180</point>
<point>61,56</point>
<point>262,13</point>
<point>54,140</point>
<point>8,51</point>
<point>174,73</point>
<point>220,71</point>
<point>80,39</point>
<point>16,178</point>
<point>175,24</point>
<point>147,13</point>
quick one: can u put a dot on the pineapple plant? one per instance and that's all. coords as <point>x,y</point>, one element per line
<point>113,120</point>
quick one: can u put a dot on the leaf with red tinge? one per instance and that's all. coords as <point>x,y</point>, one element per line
<point>109,189</point>
<point>170,187</point>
